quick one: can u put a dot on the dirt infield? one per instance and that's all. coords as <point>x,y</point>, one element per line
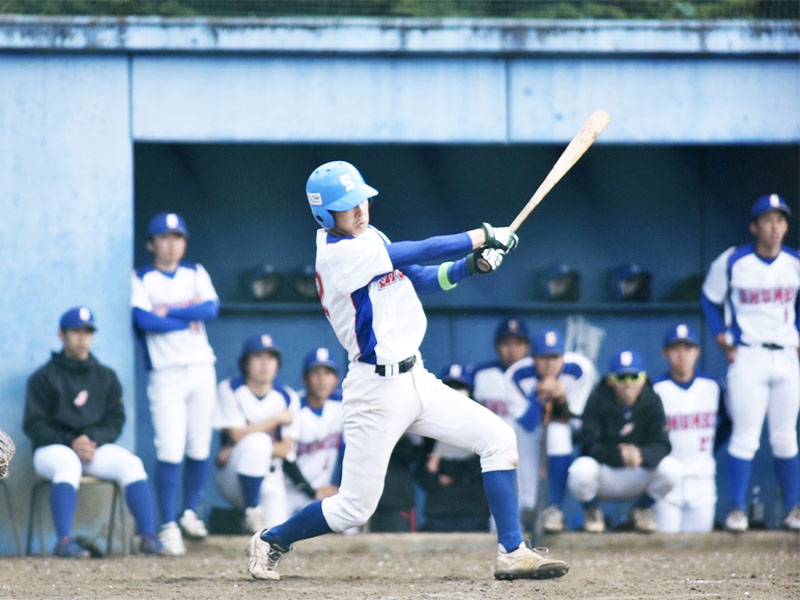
<point>719,565</point>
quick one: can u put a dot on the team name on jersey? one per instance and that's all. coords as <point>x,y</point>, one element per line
<point>390,278</point>
<point>331,441</point>
<point>779,295</point>
<point>703,420</point>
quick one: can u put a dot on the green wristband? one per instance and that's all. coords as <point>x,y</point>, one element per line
<point>444,281</point>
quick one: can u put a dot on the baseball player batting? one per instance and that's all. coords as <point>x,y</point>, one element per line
<point>171,299</point>
<point>368,290</point>
<point>757,286</point>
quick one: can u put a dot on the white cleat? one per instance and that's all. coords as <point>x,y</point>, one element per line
<point>644,521</point>
<point>552,519</point>
<point>170,538</point>
<point>263,557</point>
<point>593,520</point>
<point>736,521</point>
<point>527,563</point>
<point>254,521</point>
<point>192,526</point>
<point>792,519</point>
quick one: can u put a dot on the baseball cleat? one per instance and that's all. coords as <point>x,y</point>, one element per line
<point>192,526</point>
<point>528,563</point>
<point>151,545</point>
<point>170,538</point>
<point>69,548</point>
<point>552,519</point>
<point>736,521</point>
<point>792,519</point>
<point>593,520</point>
<point>263,557</point>
<point>644,521</point>
<point>254,521</point>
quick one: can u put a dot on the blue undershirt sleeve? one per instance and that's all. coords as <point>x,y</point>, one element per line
<point>196,312</point>
<point>713,314</point>
<point>148,321</point>
<point>429,279</point>
<point>433,249</point>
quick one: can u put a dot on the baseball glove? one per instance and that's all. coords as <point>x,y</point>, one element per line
<point>7,450</point>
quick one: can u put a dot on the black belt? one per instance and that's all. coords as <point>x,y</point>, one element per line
<point>768,346</point>
<point>396,369</point>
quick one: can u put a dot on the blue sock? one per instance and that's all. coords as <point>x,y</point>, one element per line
<point>788,473</point>
<point>644,501</point>
<point>557,468</point>
<point>251,489</point>
<point>167,489</point>
<point>63,500</point>
<point>137,495</point>
<point>308,523</point>
<point>501,491</point>
<point>738,477</point>
<point>194,479</point>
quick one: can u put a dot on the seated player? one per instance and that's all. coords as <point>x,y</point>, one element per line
<point>563,381</point>
<point>73,414</point>
<point>624,446</point>
<point>319,434</point>
<point>256,415</point>
<point>693,404</point>
<point>451,476</point>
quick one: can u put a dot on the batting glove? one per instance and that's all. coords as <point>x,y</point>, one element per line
<point>500,237</point>
<point>485,260</point>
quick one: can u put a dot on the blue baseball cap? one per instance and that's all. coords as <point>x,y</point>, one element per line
<point>457,373</point>
<point>681,333</point>
<point>769,202</point>
<point>319,357</point>
<point>511,327</point>
<point>167,222</point>
<point>547,341</point>
<point>79,316</point>
<point>626,361</point>
<point>259,342</point>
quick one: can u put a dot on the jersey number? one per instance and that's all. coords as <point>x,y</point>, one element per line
<point>321,293</point>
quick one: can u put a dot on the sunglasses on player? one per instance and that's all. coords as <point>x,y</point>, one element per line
<point>628,377</point>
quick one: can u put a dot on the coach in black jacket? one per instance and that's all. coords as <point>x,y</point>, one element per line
<point>624,446</point>
<point>73,413</point>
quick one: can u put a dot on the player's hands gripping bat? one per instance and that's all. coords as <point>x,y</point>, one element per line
<point>576,148</point>
<point>484,260</point>
<point>502,238</point>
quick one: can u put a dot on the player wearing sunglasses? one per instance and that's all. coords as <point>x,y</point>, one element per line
<point>624,446</point>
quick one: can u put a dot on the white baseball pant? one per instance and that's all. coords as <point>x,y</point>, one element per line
<point>588,479</point>
<point>181,406</point>
<point>689,507</point>
<point>378,410</point>
<point>60,464</point>
<point>252,456</point>
<point>764,382</point>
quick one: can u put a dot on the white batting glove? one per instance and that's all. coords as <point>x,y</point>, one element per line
<point>500,237</point>
<point>485,260</point>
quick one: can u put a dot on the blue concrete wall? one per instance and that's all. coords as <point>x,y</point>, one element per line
<point>66,228</point>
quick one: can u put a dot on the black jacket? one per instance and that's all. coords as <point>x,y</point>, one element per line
<point>55,410</point>
<point>463,498</point>
<point>606,424</point>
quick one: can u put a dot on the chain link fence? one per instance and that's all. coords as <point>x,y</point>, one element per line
<point>539,9</point>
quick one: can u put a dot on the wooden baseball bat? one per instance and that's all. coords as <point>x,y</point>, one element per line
<point>576,148</point>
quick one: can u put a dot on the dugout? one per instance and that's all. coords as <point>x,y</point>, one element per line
<point>104,122</point>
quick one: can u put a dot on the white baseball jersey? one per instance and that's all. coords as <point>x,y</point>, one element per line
<point>578,376</point>
<point>691,411</point>
<point>489,388</point>
<point>759,295</point>
<point>319,438</point>
<point>189,284</point>
<point>238,406</point>
<point>373,308</point>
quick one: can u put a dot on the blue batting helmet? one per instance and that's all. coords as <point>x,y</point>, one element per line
<point>336,186</point>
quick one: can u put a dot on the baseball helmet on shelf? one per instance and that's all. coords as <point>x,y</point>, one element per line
<point>560,283</point>
<point>629,282</point>
<point>263,282</point>
<point>336,186</point>
<point>305,283</point>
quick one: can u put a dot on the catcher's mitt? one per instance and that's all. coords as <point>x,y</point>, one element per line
<point>7,450</point>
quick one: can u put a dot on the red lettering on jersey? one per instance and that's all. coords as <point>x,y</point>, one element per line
<point>321,293</point>
<point>752,296</point>
<point>779,295</point>
<point>390,278</point>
